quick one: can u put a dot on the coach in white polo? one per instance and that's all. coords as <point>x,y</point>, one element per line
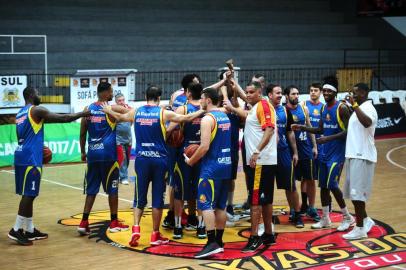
<point>361,156</point>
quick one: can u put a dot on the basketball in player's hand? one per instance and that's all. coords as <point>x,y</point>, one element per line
<point>175,138</point>
<point>47,155</point>
<point>190,150</point>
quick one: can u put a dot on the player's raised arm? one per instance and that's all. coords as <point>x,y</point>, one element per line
<point>122,117</point>
<point>40,112</point>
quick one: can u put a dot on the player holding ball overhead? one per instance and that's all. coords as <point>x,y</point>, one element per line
<point>28,160</point>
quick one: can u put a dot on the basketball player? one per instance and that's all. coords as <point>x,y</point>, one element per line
<point>102,165</point>
<point>333,126</point>
<point>285,177</point>
<point>28,161</point>
<point>151,163</point>
<point>185,177</point>
<point>307,149</point>
<point>361,157</point>
<point>261,155</point>
<point>214,153</point>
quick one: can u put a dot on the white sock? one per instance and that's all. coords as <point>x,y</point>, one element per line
<point>201,221</point>
<point>230,197</point>
<point>345,211</point>
<point>326,211</point>
<point>29,225</point>
<point>19,223</point>
<point>178,222</point>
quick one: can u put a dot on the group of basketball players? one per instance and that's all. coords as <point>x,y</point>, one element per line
<point>303,141</point>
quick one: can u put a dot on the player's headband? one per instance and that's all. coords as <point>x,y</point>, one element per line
<point>329,86</point>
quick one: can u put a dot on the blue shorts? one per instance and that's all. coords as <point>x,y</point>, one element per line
<point>329,174</point>
<point>101,172</point>
<point>150,170</point>
<point>172,154</point>
<point>27,179</point>
<point>285,172</point>
<point>305,170</point>
<point>185,180</point>
<point>212,194</point>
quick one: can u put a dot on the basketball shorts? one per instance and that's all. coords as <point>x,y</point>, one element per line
<point>305,170</point>
<point>101,172</point>
<point>172,154</point>
<point>27,180</point>
<point>212,193</point>
<point>185,180</point>
<point>329,174</point>
<point>285,173</point>
<point>358,179</point>
<point>150,170</point>
<point>260,181</point>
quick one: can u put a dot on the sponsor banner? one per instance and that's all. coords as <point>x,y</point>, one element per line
<point>62,139</point>
<point>391,119</point>
<point>11,91</point>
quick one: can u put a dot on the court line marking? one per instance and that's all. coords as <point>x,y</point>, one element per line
<point>391,161</point>
<point>398,267</point>
<point>68,186</point>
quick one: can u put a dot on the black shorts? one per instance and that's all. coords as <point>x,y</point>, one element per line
<point>305,170</point>
<point>260,181</point>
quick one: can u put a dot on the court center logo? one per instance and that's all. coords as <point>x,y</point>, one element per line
<point>294,248</point>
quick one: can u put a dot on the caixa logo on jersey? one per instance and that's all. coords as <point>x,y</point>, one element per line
<point>294,249</point>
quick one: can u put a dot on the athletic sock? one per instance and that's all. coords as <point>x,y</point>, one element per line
<point>29,225</point>
<point>19,223</point>
<point>201,221</point>
<point>326,211</point>
<point>211,236</point>
<point>113,217</point>
<point>219,236</point>
<point>178,222</point>
<point>85,216</point>
<point>345,211</point>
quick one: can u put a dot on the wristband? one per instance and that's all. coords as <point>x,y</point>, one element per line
<point>355,105</point>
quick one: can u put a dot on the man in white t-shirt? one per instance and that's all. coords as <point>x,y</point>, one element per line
<point>361,156</point>
<point>261,155</point>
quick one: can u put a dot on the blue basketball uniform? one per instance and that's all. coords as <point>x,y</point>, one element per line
<point>151,155</point>
<point>102,166</point>
<point>305,166</point>
<point>185,177</point>
<point>235,140</point>
<point>285,176</point>
<point>173,152</point>
<point>315,116</point>
<point>29,153</point>
<point>216,165</point>
<point>334,151</point>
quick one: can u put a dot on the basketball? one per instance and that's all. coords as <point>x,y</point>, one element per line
<point>47,155</point>
<point>175,138</point>
<point>190,150</point>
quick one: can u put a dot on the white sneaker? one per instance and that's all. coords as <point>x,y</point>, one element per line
<point>368,224</point>
<point>324,222</point>
<point>356,233</point>
<point>230,224</point>
<point>261,229</point>
<point>232,218</point>
<point>346,223</point>
<point>124,181</point>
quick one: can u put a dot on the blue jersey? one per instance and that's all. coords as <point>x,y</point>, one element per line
<point>216,164</point>
<point>150,132</point>
<point>179,101</point>
<point>235,133</point>
<point>281,123</point>
<point>315,116</point>
<point>102,135</point>
<point>333,150</point>
<point>191,130</point>
<point>30,136</point>
<point>303,142</point>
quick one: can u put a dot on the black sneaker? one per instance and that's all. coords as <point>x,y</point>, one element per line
<point>201,232</point>
<point>169,220</point>
<point>291,215</point>
<point>303,210</point>
<point>177,233</point>
<point>299,222</point>
<point>230,210</point>
<point>19,237</point>
<point>36,235</point>
<point>254,243</point>
<point>192,223</point>
<point>268,239</point>
<point>208,250</point>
